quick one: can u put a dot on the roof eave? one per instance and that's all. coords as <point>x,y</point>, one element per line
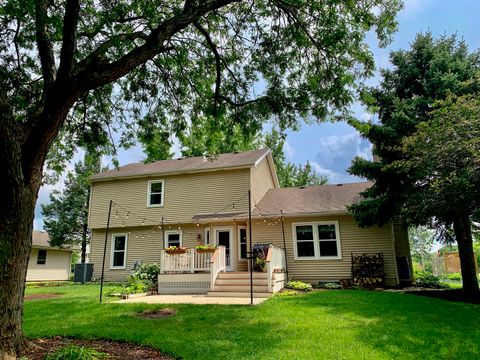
<point>139,176</point>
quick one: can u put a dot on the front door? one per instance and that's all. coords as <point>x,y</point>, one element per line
<point>224,238</point>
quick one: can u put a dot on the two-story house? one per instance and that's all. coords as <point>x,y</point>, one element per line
<point>199,200</point>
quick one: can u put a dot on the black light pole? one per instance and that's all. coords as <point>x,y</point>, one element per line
<point>105,250</point>
<point>284,244</point>
<point>251,249</point>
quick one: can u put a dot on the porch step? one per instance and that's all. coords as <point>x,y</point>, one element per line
<point>241,275</point>
<point>238,294</point>
<point>240,288</point>
<point>241,281</point>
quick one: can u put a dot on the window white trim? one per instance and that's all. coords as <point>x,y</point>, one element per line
<point>240,227</point>
<point>170,232</point>
<point>150,182</point>
<point>316,240</point>
<point>112,250</point>
<point>207,240</point>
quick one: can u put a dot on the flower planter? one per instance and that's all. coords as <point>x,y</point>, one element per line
<point>176,251</point>
<point>212,250</point>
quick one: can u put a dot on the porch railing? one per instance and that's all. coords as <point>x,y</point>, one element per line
<point>189,262</point>
<point>275,262</point>
<point>218,264</point>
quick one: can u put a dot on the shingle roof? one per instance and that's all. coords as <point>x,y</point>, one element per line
<point>40,238</point>
<point>311,199</point>
<point>200,163</point>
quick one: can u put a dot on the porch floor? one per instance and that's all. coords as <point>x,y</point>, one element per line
<point>193,299</point>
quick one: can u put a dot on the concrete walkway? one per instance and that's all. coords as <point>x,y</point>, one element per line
<point>192,299</point>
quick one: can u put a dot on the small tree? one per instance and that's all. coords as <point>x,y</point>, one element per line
<point>66,216</point>
<point>421,242</point>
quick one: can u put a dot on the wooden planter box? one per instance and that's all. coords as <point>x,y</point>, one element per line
<point>176,251</point>
<point>205,250</point>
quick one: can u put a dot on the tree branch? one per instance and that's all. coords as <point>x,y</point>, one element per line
<point>218,61</point>
<point>70,22</point>
<point>45,50</point>
<point>99,72</point>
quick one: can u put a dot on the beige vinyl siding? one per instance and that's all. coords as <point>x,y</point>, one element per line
<point>262,180</point>
<point>56,267</point>
<point>145,247</point>
<point>185,195</point>
<point>353,239</point>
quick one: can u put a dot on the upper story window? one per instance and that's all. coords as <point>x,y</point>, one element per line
<point>42,257</point>
<point>317,240</point>
<point>155,193</point>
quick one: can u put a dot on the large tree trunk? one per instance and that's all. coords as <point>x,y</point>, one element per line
<point>463,234</point>
<point>22,156</point>
<point>17,203</point>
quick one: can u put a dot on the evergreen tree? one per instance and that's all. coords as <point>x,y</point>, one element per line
<point>66,216</point>
<point>427,168</point>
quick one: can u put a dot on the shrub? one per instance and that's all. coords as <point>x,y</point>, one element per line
<point>298,285</point>
<point>148,273</point>
<point>454,277</point>
<point>331,286</point>
<point>428,280</point>
<point>74,352</point>
<point>286,293</point>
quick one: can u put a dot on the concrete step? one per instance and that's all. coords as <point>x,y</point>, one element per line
<point>240,288</point>
<point>238,281</point>
<point>238,294</point>
<point>241,275</point>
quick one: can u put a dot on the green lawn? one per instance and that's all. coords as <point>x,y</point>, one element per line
<point>320,325</point>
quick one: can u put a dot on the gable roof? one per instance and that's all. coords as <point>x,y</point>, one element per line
<point>183,165</point>
<point>40,238</point>
<point>311,199</point>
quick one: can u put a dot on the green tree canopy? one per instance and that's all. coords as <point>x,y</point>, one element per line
<point>427,168</point>
<point>81,72</point>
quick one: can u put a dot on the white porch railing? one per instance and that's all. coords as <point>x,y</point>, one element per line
<point>189,262</point>
<point>275,262</point>
<point>218,264</point>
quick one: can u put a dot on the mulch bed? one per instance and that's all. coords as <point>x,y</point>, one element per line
<point>116,350</point>
<point>157,314</point>
<point>42,296</point>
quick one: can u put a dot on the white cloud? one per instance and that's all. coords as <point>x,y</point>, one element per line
<point>414,7</point>
<point>288,150</point>
<point>336,153</point>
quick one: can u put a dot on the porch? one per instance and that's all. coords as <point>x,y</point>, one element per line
<point>199,272</point>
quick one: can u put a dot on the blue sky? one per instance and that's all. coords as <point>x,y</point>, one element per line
<point>330,147</point>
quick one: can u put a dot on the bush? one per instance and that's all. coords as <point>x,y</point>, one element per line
<point>148,273</point>
<point>428,280</point>
<point>298,285</point>
<point>331,286</point>
<point>286,293</point>
<point>74,352</point>
<point>454,277</point>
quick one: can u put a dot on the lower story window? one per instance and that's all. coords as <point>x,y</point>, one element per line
<point>42,257</point>
<point>119,251</point>
<point>319,240</point>
<point>173,238</point>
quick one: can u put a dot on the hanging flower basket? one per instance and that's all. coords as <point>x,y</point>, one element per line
<point>205,249</point>
<point>173,250</point>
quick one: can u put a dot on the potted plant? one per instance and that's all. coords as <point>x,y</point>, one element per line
<point>172,250</point>
<point>205,248</point>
